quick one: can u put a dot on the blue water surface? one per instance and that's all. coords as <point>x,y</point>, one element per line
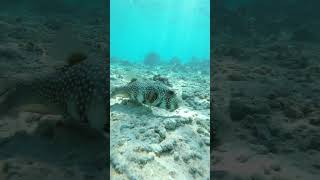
<point>170,28</point>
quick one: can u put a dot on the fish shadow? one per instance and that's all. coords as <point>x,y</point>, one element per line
<point>139,109</point>
<point>129,107</point>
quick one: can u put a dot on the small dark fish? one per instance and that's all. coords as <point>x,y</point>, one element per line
<point>150,93</point>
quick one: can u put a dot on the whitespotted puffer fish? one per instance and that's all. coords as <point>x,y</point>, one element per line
<point>151,93</point>
<point>79,92</point>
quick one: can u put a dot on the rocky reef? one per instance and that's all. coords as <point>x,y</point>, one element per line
<point>265,92</point>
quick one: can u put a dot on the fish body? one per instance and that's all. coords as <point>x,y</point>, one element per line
<point>79,92</point>
<point>151,93</point>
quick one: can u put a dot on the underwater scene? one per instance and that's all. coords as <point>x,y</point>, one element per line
<point>266,70</point>
<point>54,89</point>
<point>160,89</point>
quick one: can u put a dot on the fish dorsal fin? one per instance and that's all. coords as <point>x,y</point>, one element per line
<point>76,58</point>
<point>133,80</point>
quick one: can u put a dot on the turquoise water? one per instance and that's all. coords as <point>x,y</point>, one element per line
<point>170,28</point>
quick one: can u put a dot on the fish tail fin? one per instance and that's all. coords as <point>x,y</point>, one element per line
<point>119,91</point>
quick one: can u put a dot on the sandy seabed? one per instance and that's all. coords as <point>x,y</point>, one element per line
<point>152,143</point>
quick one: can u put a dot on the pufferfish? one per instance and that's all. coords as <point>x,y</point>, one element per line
<point>151,93</point>
<point>79,92</point>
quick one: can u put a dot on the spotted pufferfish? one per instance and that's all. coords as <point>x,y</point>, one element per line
<point>79,92</point>
<point>153,93</point>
